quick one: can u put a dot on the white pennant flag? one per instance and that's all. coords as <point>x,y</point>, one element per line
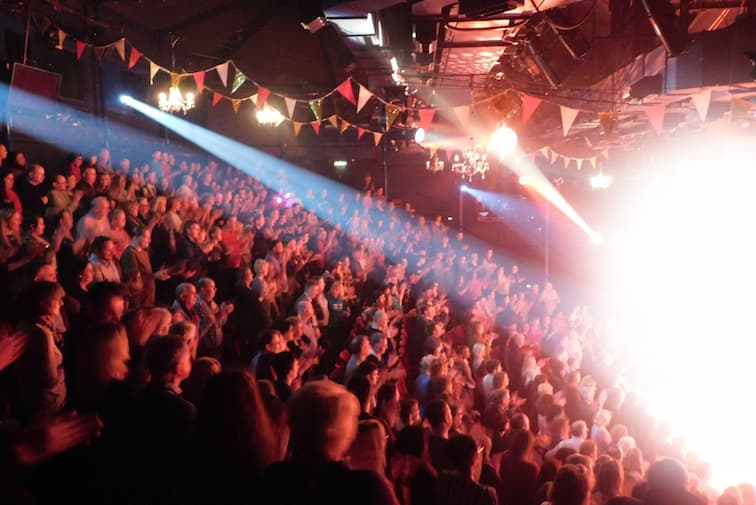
<point>154,67</point>
<point>546,152</point>
<point>290,104</point>
<point>593,162</point>
<point>702,101</point>
<point>463,115</point>
<point>223,73</point>
<point>568,117</point>
<point>363,97</point>
<point>253,99</point>
<point>120,46</point>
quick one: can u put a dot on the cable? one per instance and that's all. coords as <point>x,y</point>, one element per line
<point>567,28</point>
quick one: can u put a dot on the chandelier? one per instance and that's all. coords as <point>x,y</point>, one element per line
<point>268,116</point>
<point>175,101</point>
<point>471,162</point>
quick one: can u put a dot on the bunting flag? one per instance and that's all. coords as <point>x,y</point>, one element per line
<point>199,79</point>
<point>344,126</point>
<point>463,116</point>
<point>739,109</point>
<point>363,97</point>
<point>253,99</point>
<point>315,126</point>
<point>217,97</point>
<point>568,117</point>
<point>316,106</point>
<point>529,106</point>
<point>290,105</point>
<point>426,118</point>
<point>153,70</point>
<point>360,133</point>
<point>593,162</point>
<point>655,116</point>
<point>61,38</point>
<point>239,79</point>
<point>377,137</point>
<point>608,121</point>
<point>134,57</point>
<point>100,51</point>
<point>702,101</point>
<point>546,153</point>
<point>262,96</point>
<point>605,154</point>
<point>334,120</point>
<point>345,89</point>
<point>392,112</point>
<point>236,103</point>
<point>80,46</point>
<point>579,162</point>
<point>223,73</point>
<point>120,47</point>
<point>297,127</point>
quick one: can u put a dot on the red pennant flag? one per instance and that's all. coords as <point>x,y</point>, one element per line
<point>80,46</point>
<point>134,57</point>
<point>199,78</point>
<point>426,118</point>
<point>345,89</point>
<point>316,126</point>
<point>217,97</point>
<point>360,133</point>
<point>262,95</point>
<point>529,105</point>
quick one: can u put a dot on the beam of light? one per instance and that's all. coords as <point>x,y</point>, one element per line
<point>281,176</point>
<point>517,212</point>
<point>681,297</point>
<point>532,177</point>
<point>503,141</point>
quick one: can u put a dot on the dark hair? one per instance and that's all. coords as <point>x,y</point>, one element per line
<point>163,353</point>
<point>461,451</point>
<point>521,443</point>
<point>36,295</point>
<point>264,338</point>
<point>386,393</point>
<point>571,486</point>
<point>609,478</point>
<point>412,440</point>
<point>405,408</point>
<point>359,386</point>
<point>434,412</point>
<point>99,243</point>
<point>283,363</point>
<point>99,295</point>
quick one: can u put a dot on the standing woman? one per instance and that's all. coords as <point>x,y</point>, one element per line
<point>8,198</point>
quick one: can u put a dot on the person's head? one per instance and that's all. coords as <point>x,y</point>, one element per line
<point>35,225</point>
<point>143,323</point>
<point>589,448</point>
<point>192,230</point>
<point>207,289</point>
<point>103,247</point>
<point>609,477</point>
<point>379,343</point>
<point>142,238</point>
<point>571,486</point>
<point>323,420</point>
<point>271,341</point>
<point>360,346</point>
<point>462,452</point>
<point>387,403</point>
<point>579,430</point>
<point>100,207</point>
<point>36,173</point>
<point>520,421</point>
<point>188,331</point>
<point>117,219</point>
<point>9,179</point>
<point>667,474</point>
<point>42,299</point>
<point>439,416</point>
<point>168,359</point>
<point>106,301</point>
<point>368,450</point>
<point>286,367</point>
<point>11,222</point>
<point>409,412</point>
<point>186,294</point>
<point>602,418</point>
<point>104,356</point>
<point>359,385</point>
<point>521,444</point>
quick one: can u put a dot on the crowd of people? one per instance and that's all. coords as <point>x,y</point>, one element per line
<point>176,331</point>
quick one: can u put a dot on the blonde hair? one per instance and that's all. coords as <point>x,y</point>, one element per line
<point>368,451</point>
<point>145,322</point>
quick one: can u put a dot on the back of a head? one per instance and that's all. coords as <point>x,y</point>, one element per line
<point>360,387</point>
<point>667,474</point>
<point>571,486</point>
<point>609,477</point>
<point>579,429</point>
<point>435,413</point>
<point>163,354</point>
<point>368,450</point>
<point>521,443</point>
<point>323,421</point>
<point>412,441</point>
<point>461,451</point>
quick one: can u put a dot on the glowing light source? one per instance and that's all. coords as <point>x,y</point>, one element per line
<point>463,188</point>
<point>524,180</point>
<point>268,116</point>
<point>174,100</point>
<point>419,135</point>
<point>503,141</point>
<point>123,98</point>
<point>340,164</point>
<point>601,181</point>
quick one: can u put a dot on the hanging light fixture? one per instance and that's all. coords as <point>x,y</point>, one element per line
<point>174,101</point>
<point>268,116</point>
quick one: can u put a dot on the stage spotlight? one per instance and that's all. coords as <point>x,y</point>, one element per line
<point>463,188</point>
<point>419,135</point>
<point>524,181</point>
<point>123,98</point>
<point>601,181</point>
<point>503,141</point>
<point>341,164</point>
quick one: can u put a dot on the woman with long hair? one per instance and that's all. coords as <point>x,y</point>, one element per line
<point>517,472</point>
<point>8,197</point>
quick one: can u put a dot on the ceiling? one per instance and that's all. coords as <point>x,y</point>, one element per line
<point>583,54</point>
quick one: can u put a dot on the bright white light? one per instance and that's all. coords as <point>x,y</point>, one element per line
<point>524,180</point>
<point>123,98</point>
<point>601,181</point>
<point>268,116</point>
<point>394,64</point>
<point>419,135</point>
<point>279,200</point>
<point>683,300</point>
<point>463,187</point>
<point>340,164</point>
<point>503,141</point>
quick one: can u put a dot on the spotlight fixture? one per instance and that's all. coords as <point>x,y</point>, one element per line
<point>123,98</point>
<point>340,164</point>
<point>419,135</point>
<point>503,141</point>
<point>268,116</point>
<point>601,181</point>
<point>463,188</point>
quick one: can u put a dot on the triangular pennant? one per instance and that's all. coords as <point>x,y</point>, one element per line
<point>363,97</point>
<point>546,152</point>
<point>593,162</point>
<point>426,118</point>
<point>702,101</point>
<point>80,46</point>
<point>134,57</point>
<point>605,154</point>
<point>120,47</point>
<point>262,96</point>
<point>316,106</point>
<point>297,128</point>
<point>579,163</point>
<point>315,126</point>
<point>739,109</point>
<point>334,120</point>
<point>553,156</point>
<point>345,89</point>
<point>236,103</point>
<point>154,67</point>
<point>290,105</point>
<point>392,112</point>
<point>223,73</point>
<point>529,105</point>
<point>239,80</point>
<point>463,116</point>
<point>568,117</point>
<point>655,116</point>
<point>377,137</point>
<point>61,38</point>
<point>344,126</point>
<point>360,133</point>
<point>253,99</point>
<point>199,79</point>
<point>217,97</point>
<point>608,121</point>
<point>100,51</point>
